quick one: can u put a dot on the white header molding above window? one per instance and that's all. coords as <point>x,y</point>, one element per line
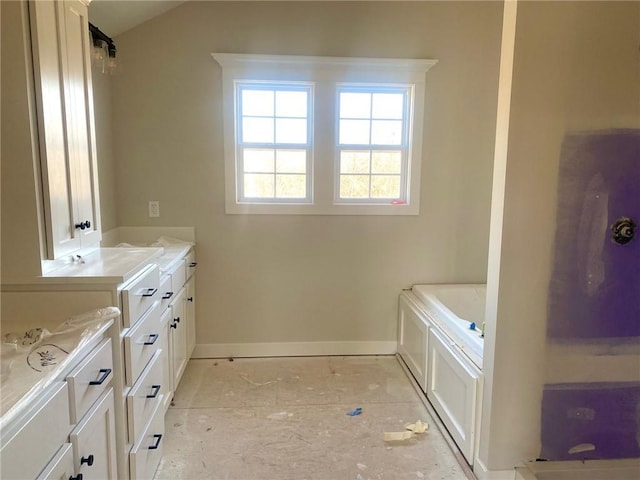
<point>328,74</point>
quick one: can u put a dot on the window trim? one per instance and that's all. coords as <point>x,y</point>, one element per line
<point>323,71</point>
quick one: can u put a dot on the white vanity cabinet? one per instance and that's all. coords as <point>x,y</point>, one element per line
<point>64,107</point>
<point>44,440</point>
<point>178,291</point>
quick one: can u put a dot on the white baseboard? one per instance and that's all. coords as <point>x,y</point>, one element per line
<point>292,349</point>
<point>483,473</point>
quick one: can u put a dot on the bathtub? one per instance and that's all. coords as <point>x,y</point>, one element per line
<point>453,308</point>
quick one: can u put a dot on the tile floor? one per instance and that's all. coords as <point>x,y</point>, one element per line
<point>285,419</point>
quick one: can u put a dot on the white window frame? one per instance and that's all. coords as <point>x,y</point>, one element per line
<point>325,73</point>
<point>241,146</point>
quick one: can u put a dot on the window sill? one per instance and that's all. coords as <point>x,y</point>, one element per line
<point>335,209</point>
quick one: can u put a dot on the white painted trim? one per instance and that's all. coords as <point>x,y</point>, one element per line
<point>293,349</point>
<point>326,72</point>
<point>481,471</point>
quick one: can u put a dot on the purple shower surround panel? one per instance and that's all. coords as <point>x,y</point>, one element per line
<point>595,287</point>
<point>594,296</point>
<point>602,415</point>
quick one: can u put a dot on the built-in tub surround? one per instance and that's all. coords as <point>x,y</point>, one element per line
<point>459,311</point>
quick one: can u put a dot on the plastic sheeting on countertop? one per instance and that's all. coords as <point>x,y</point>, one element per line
<point>32,360</point>
<point>174,249</point>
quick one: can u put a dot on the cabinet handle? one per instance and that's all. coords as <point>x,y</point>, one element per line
<point>155,389</point>
<point>149,292</point>
<point>83,225</point>
<point>77,477</point>
<point>193,264</point>
<point>158,437</point>
<point>167,295</point>
<point>153,336</point>
<point>190,299</point>
<point>105,373</point>
<point>177,319</point>
<point>88,460</point>
<point>174,325</point>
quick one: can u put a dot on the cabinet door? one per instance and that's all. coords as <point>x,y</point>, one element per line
<point>412,340</point>
<point>178,338</point>
<point>190,314</point>
<point>452,389</point>
<point>93,440</point>
<point>78,104</point>
<point>54,159</point>
<point>60,43</point>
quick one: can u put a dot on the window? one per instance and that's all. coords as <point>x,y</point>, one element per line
<point>372,143</point>
<point>320,135</point>
<point>274,142</point>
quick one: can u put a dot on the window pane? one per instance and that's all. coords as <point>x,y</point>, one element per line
<point>386,132</point>
<point>388,105</point>
<point>355,105</point>
<point>354,186</point>
<point>291,130</point>
<point>291,104</point>
<point>386,162</point>
<point>257,102</point>
<point>354,132</point>
<point>354,161</point>
<point>291,161</point>
<point>291,186</point>
<point>258,160</point>
<point>257,130</point>
<point>258,185</point>
<point>385,186</point>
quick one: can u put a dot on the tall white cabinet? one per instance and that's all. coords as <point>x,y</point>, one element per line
<point>48,154</point>
<point>62,71</point>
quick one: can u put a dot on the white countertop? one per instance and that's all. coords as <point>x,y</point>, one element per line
<point>105,265</point>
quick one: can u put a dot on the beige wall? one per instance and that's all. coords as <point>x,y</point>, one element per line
<point>576,67</point>
<point>307,278</point>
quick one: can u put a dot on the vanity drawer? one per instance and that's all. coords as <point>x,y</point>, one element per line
<point>166,292</point>
<point>61,466</point>
<point>146,453</point>
<point>141,342</point>
<point>47,426</point>
<point>190,263</point>
<point>145,395</point>
<point>178,276</point>
<point>139,295</point>
<point>91,378</point>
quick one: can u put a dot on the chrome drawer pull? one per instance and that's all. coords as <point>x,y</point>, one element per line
<point>167,296</point>
<point>174,325</point>
<point>158,437</point>
<point>150,292</point>
<point>190,299</point>
<point>105,373</point>
<point>177,319</point>
<point>77,477</point>
<point>88,460</point>
<point>193,264</point>
<point>156,389</point>
<point>153,336</point>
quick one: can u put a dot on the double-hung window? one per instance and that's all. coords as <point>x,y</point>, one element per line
<point>322,135</point>
<point>273,142</point>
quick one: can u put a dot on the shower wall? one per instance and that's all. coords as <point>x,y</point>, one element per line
<point>595,288</point>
